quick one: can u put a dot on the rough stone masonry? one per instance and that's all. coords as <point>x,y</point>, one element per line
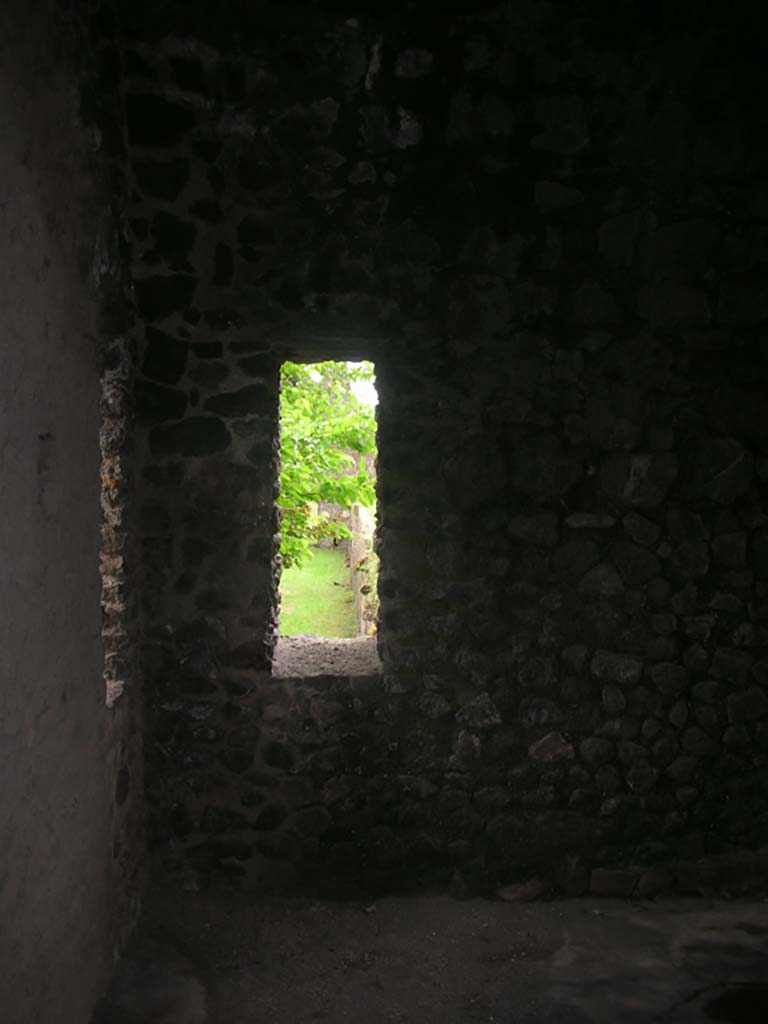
<point>548,225</point>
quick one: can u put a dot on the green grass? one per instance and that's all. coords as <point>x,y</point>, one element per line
<point>317,598</point>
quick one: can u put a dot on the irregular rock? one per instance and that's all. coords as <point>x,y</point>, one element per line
<point>596,751</point>
<point>642,480</point>
<point>730,550</point>
<point>636,564</point>
<point>535,711</point>
<point>537,529</point>
<point>682,769</point>
<point>195,436</point>
<point>543,469</point>
<point>732,665</point>
<point>523,892</point>
<point>414,63</point>
<point>565,125</point>
<point>620,668</point>
<point>669,678</point>
<point>641,777</point>
<point>592,306</point>
<point>590,521</point>
<point>614,700</point>
<point>480,713</point>
<point>669,304</point>
<point>747,705</point>
<point>552,197</point>
<point>602,581</point>
<point>575,557</point>
<point>552,747</point>
<point>691,559</point>
<point>640,529</point>
<point>720,469</point>
<point>613,882</point>
<point>253,400</point>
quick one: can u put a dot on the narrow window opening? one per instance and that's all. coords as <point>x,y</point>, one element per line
<point>328,600</point>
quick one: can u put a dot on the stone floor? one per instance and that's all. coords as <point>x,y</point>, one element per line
<point>433,960</point>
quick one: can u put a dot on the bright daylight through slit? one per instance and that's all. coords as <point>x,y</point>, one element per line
<point>328,499</point>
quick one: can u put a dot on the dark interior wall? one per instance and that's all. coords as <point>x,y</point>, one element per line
<point>70,799</point>
<point>547,224</point>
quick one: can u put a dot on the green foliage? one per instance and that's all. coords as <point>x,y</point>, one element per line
<point>326,432</point>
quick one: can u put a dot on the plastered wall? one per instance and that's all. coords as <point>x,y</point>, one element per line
<point>70,805</point>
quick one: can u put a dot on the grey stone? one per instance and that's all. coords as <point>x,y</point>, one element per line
<point>543,469</point>
<point>414,63</point>
<point>195,436</point>
<point>686,600</point>
<point>667,305</point>
<point>705,691</point>
<point>613,882</point>
<point>730,550</point>
<point>636,564</point>
<point>742,303</point>
<point>696,659</point>
<point>678,714</point>
<point>596,751</point>
<point>523,892</point>
<point>538,674</point>
<point>736,737</point>
<point>551,197</point>
<point>721,469</point>
<point>592,306</point>
<point>534,711</point>
<point>641,480</point>
<point>536,529</point>
<point>631,753</point>
<point>601,581</point>
<point>722,602</point>
<point>746,705</point>
<point>253,400</point>
<point>691,559</point>
<point>658,590</point>
<point>731,665</point>
<point>760,552</point>
<point>480,713</point>
<point>614,700</point>
<point>651,729</point>
<point>696,742</point>
<point>640,529</point>
<point>618,237</point>
<point>574,656</point>
<point>565,124</point>
<point>669,678</point>
<point>575,557</point>
<point>590,521</point>
<point>620,668</point>
<point>665,748</point>
<point>664,623</point>
<point>750,635</point>
<point>655,881</point>
<point>552,747</point>
<point>607,780</point>
<point>682,769</point>
<point>698,627</point>
<point>641,777</point>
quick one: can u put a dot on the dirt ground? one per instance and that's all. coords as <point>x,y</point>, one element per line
<point>434,960</point>
<point>304,655</point>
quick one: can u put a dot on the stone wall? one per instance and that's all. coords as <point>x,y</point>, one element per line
<point>547,225</point>
<point>71,795</point>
